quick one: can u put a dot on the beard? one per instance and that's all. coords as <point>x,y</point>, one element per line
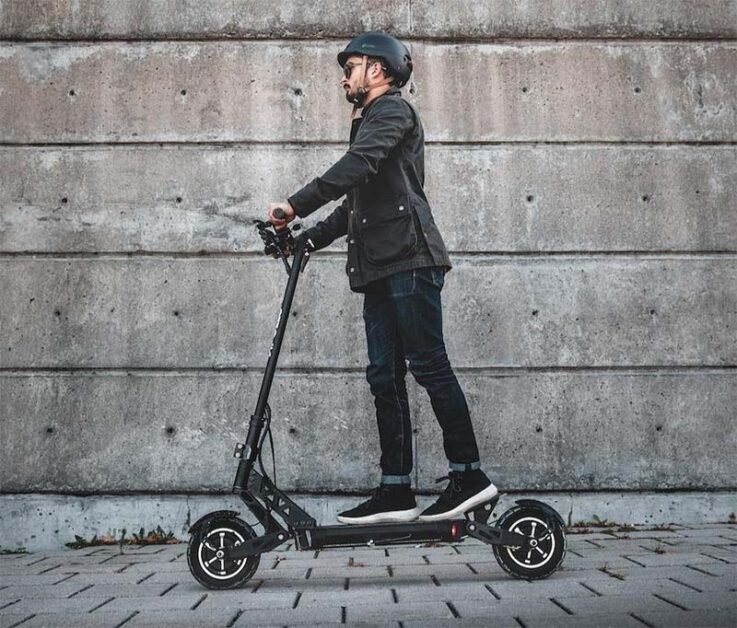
<point>355,97</point>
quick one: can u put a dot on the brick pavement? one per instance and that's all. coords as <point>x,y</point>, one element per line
<point>682,576</point>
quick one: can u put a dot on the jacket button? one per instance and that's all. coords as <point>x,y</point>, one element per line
<point>363,220</point>
<point>351,241</point>
<point>353,270</point>
<point>401,208</point>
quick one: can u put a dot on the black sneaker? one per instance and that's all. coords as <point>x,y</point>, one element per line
<point>388,503</point>
<point>465,491</point>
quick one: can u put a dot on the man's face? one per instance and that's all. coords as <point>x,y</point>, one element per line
<point>351,83</point>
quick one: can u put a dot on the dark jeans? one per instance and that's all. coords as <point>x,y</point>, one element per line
<point>404,327</point>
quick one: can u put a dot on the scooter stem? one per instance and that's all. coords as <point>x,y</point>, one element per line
<point>249,453</point>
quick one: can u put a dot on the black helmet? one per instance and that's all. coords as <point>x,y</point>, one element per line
<point>376,44</point>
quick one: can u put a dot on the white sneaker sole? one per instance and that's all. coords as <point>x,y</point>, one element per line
<point>397,516</point>
<point>489,493</point>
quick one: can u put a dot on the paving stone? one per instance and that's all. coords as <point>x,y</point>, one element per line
<point>610,620</point>
<point>346,598</point>
<point>472,622</point>
<point>650,573</point>
<point>348,572</point>
<point>723,554</point>
<point>305,585</point>
<point>446,593</point>
<point>592,536</point>
<point>616,546</point>
<point>707,530</point>
<point>690,619</point>
<point>615,604</point>
<point>303,560</point>
<point>705,541</point>
<point>53,591</point>
<point>573,574</point>
<point>702,582</point>
<point>650,534</point>
<point>704,601</point>
<point>28,579</point>
<point>66,605</point>
<point>174,603</point>
<point>244,599</point>
<point>12,619</point>
<point>145,589</point>
<point>655,560</point>
<point>104,578</point>
<point>177,566</point>
<point>290,617</point>
<point>383,561</point>
<point>77,620</point>
<point>715,569</point>
<point>440,571</point>
<point>183,619</point>
<point>572,563</point>
<point>398,612</point>
<point>493,608</point>
<point>514,589</point>
<point>166,577</point>
<point>640,586</point>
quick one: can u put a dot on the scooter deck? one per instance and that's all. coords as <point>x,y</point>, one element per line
<point>377,534</point>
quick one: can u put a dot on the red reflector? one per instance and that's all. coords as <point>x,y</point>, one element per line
<point>453,530</point>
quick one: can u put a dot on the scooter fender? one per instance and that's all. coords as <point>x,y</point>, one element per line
<point>211,516</point>
<point>548,510</point>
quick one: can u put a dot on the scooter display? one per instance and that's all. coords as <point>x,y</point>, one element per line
<point>528,540</point>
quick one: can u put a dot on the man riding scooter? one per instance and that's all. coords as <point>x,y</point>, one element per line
<point>397,260</point>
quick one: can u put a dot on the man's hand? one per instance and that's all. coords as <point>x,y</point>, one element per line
<point>280,223</point>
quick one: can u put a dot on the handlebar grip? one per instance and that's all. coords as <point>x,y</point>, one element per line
<point>279,214</point>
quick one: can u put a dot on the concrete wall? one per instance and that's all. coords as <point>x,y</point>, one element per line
<point>581,163</point>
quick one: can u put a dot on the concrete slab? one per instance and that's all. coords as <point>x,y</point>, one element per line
<point>185,91</point>
<point>568,19</point>
<point>177,19</point>
<point>525,198</point>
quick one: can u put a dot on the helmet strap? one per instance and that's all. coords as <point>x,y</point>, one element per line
<point>363,90</point>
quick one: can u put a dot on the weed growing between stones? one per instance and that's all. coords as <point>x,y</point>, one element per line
<point>152,537</point>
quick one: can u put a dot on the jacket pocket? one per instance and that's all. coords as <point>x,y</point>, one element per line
<point>388,233</point>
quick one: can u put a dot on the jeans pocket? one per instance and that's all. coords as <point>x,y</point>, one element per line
<point>438,277</point>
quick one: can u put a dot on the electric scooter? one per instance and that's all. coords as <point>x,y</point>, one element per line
<point>224,551</point>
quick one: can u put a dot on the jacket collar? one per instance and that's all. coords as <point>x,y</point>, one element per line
<point>392,91</point>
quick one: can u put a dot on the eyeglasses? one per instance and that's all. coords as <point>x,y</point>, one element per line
<point>348,69</point>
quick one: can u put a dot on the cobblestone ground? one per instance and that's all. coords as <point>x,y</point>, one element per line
<point>680,576</point>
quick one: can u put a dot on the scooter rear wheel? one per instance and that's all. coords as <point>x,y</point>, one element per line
<point>205,554</point>
<point>546,549</point>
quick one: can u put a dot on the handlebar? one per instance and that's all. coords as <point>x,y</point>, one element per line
<point>281,243</point>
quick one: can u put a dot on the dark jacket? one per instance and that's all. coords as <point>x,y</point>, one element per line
<point>385,214</point>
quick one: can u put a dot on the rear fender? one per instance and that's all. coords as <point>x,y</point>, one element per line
<point>548,510</point>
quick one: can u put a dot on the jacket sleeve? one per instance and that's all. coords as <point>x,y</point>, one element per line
<point>333,227</point>
<point>380,131</point>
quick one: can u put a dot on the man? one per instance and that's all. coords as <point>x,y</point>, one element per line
<point>397,258</point>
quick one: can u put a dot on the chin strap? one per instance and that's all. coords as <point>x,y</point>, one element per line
<point>362,90</point>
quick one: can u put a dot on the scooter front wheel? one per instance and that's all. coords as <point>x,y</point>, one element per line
<point>205,553</point>
<point>546,547</point>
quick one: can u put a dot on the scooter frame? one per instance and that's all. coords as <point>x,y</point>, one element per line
<point>283,519</point>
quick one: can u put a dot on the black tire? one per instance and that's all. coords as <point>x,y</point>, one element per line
<point>539,561</point>
<point>204,544</point>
